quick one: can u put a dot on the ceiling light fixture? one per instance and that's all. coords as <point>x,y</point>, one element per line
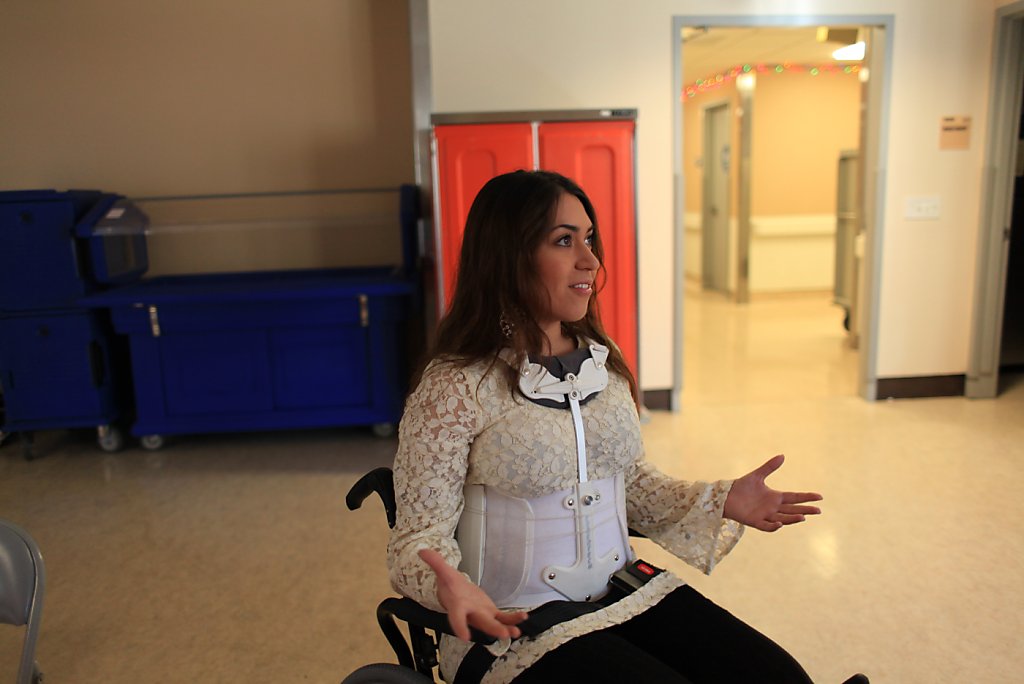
<point>850,53</point>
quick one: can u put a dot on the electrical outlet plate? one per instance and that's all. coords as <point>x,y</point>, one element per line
<point>922,208</point>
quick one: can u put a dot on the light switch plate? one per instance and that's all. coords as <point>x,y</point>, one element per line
<point>922,208</point>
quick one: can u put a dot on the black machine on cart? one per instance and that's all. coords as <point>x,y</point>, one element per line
<point>59,367</point>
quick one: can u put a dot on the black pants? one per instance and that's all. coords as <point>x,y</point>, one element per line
<point>684,639</point>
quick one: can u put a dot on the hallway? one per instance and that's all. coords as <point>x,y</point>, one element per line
<point>231,558</point>
<point>777,347</point>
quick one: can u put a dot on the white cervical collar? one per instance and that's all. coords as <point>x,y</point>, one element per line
<point>536,382</point>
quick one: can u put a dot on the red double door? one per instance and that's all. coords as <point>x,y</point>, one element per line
<point>598,155</point>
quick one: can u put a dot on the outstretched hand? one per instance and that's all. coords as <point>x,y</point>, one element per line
<point>753,503</point>
<point>466,603</point>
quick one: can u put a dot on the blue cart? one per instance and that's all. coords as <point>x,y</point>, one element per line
<point>266,350</point>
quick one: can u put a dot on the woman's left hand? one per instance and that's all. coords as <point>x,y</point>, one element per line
<point>753,503</point>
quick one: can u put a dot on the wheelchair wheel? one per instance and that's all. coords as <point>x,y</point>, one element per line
<point>386,673</point>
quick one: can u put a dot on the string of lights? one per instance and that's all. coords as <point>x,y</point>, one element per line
<point>718,80</point>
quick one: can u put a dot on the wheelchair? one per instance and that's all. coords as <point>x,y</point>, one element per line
<point>417,657</point>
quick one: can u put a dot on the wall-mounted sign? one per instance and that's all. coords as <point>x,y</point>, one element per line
<point>955,133</point>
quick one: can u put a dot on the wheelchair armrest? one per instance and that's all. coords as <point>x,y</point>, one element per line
<point>380,480</point>
<point>407,610</point>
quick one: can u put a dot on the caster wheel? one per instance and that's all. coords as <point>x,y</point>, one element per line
<point>151,442</point>
<point>384,429</point>
<point>110,439</point>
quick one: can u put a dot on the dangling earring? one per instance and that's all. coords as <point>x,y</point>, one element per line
<point>506,327</point>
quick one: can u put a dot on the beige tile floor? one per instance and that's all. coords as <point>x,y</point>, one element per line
<point>231,558</point>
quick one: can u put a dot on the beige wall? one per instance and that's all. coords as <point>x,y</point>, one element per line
<point>598,53</point>
<point>801,123</point>
<point>206,97</point>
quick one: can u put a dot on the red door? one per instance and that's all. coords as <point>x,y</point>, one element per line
<point>469,155</point>
<point>598,155</point>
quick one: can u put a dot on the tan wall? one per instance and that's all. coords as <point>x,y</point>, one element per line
<point>211,96</point>
<point>801,123</point>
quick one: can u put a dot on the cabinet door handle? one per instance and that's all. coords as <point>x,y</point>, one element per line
<point>154,321</point>
<point>364,311</point>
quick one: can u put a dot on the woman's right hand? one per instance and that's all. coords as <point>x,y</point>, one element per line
<point>467,605</point>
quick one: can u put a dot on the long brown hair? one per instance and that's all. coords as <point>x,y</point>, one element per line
<point>497,277</point>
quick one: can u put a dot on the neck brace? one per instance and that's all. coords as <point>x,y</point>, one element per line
<point>536,382</point>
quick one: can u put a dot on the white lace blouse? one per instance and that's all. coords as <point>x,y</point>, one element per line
<point>463,426</point>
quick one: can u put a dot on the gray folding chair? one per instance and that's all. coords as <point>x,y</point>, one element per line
<point>22,579</point>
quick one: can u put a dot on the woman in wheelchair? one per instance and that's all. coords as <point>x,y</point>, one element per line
<point>520,472</point>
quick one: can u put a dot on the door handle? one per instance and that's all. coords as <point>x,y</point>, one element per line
<point>154,321</point>
<point>364,311</point>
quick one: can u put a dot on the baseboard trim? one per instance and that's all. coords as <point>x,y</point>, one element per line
<point>918,387</point>
<point>921,386</point>
<point>658,400</point>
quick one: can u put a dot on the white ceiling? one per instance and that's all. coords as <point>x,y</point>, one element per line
<point>709,51</point>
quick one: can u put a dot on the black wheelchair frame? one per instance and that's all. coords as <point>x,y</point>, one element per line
<point>419,653</point>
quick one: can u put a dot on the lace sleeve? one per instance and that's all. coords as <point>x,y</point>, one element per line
<point>685,518</point>
<point>437,428</point>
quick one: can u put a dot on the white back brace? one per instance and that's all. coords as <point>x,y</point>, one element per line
<point>525,552</point>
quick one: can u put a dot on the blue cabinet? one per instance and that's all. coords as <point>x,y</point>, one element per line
<point>264,351</point>
<point>56,371</point>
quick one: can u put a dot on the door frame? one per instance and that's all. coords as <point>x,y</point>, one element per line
<point>879,109</point>
<point>1005,94</point>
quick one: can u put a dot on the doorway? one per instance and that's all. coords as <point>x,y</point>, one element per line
<point>997,332</point>
<point>1011,355</point>
<point>800,231</point>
